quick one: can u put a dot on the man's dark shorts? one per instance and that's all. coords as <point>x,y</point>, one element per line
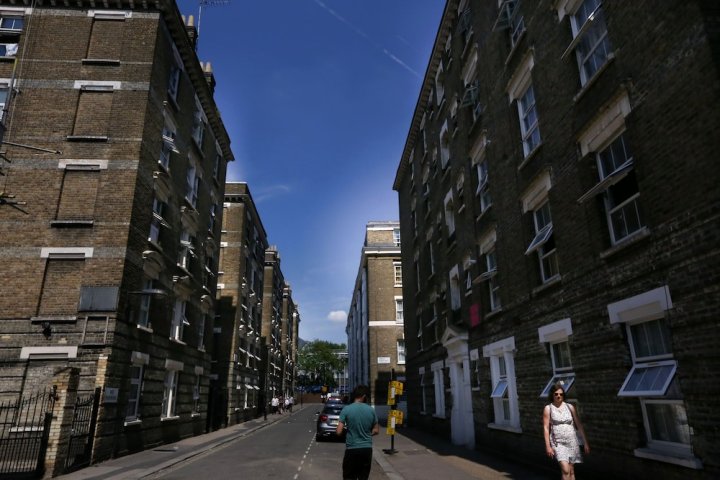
<point>356,463</point>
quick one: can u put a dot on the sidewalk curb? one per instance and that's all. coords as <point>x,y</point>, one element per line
<point>391,473</point>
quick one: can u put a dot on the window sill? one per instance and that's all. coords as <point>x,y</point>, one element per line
<point>7,59</point>
<point>101,61</point>
<point>143,328</point>
<point>506,428</point>
<point>594,78</point>
<point>482,213</point>
<point>529,156</point>
<point>173,102</point>
<point>86,138</point>
<point>54,319</point>
<point>549,283</point>
<point>179,342</point>
<point>493,313</point>
<point>196,415</point>
<point>632,239</point>
<point>650,454</point>
<point>170,419</point>
<point>131,423</point>
<point>156,245</point>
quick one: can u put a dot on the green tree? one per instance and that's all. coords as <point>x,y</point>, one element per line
<point>319,360</point>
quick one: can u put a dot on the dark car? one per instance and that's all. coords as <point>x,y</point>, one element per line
<point>327,422</point>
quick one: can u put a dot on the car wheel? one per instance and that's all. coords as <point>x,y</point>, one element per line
<point>318,438</point>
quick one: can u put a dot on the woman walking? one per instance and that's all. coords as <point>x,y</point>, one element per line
<point>561,426</point>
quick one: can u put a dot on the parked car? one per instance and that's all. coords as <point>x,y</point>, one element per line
<point>327,422</point>
<point>334,400</point>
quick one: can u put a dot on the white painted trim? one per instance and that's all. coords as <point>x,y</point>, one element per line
<point>439,365</point>
<point>15,11</point>
<point>555,331</point>
<point>48,353</point>
<point>474,354</point>
<point>521,78</point>
<point>487,241</point>
<point>139,358</point>
<point>173,365</point>
<point>421,370</point>
<point>80,84</point>
<point>68,253</point>
<point>607,124</point>
<point>64,163</point>
<point>110,14</point>
<point>643,307</point>
<point>384,323</point>
<point>199,370</point>
<point>497,348</point>
<point>537,192</point>
<point>566,7</point>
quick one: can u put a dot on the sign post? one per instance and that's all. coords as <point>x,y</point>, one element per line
<point>395,416</point>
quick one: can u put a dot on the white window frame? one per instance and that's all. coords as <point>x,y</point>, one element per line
<point>397,273</point>
<point>557,333</point>
<point>179,321</point>
<point>449,208</point>
<point>543,233</point>
<point>169,144</point>
<point>400,351</point>
<point>186,250</point>
<point>174,81</point>
<point>504,389</point>
<point>645,307</point>
<point>138,360</point>
<point>587,21</point>
<point>437,369</point>
<point>143,316</point>
<point>454,278</point>
<point>444,146</point>
<point>399,314</point>
<point>439,87</point>
<point>169,403</point>
<point>193,184</point>
<point>527,108</point>
<point>396,237</point>
<point>423,388</point>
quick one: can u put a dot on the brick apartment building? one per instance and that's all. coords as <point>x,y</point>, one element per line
<point>256,331</point>
<point>109,256</point>
<point>560,217</point>
<point>376,342</point>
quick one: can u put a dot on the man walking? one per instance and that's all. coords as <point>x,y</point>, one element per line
<point>361,423</point>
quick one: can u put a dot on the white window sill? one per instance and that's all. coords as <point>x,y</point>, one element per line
<point>143,328</point>
<point>506,428</point>
<point>170,419</point>
<point>130,423</point>
<point>650,454</point>
<point>195,415</point>
<point>175,340</point>
<point>626,242</point>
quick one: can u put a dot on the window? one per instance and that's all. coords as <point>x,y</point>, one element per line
<point>439,84</point>
<point>504,392</point>
<point>464,25</point>
<point>174,82</point>
<point>169,394</point>
<point>201,331</point>
<point>93,113</point>
<point>157,222</point>
<point>143,315</point>
<point>198,128</point>
<point>137,373</point>
<point>483,189</point>
<point>527,112</point>
<point>103,43</point>
<point>486,247</point>
<point>8,49</point>
<point>196,394</point>
<point>98,299</point>
<point>544,243</point>
<point>193,184</point>
<point>399,317</point>
<point>556,335</point>
<point>168,145</point>
<point>179,320</point>
<point>439,384</point>
<point>449,214</point>
<point>509,18</point>
<point>455,301</point>
<point>187,250</point>
<point>397,268</point>
<point>11,22</point>
<point>396,237</point>
<point>651,378</point>
<point>423,391</point>
<point>133,406</point>
<point>431,249</point>
<point>401,352</point>
<point>444,146</point>
<point>621,197</point>
<point>4,92</point>
<point>590,39</point>
<point>61,287</point>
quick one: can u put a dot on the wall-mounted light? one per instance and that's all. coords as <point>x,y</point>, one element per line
<point>46,329</point>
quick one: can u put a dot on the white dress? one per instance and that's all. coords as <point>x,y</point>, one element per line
<point>563,437</point>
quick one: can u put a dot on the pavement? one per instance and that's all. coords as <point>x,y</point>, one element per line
<point>416,455</point>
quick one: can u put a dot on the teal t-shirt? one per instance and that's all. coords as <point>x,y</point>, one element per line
<point>359,418</point>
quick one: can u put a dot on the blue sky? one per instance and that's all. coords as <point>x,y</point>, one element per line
<point>317,96</point>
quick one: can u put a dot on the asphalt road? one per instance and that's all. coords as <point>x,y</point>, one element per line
<point>286,450</point>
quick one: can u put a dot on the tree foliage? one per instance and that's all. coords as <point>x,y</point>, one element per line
<point>319,360</point>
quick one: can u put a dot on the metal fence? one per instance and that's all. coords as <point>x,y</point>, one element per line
<point>24,430</point>
<point>83,431</point>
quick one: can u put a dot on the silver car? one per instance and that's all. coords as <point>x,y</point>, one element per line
<point>327,422</point>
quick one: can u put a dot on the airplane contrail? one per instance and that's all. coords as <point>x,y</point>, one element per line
<point>384,50</point>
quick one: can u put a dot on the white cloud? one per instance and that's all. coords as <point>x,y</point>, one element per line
<point>337,316</point>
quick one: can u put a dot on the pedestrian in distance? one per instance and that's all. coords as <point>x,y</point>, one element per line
<point>564,433</point>
<point>274,403</point>
<point>360,423</point>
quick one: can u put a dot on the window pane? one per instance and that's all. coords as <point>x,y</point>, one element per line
<point>651,339</point>
<point>668,422</point>
<point>500,389</point>
<point>561,355</point>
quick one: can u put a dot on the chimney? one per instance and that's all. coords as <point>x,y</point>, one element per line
<point>209,77</point>
<point>191,30</point>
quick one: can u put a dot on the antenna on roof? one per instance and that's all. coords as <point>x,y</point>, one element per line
<point>207,3</point>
